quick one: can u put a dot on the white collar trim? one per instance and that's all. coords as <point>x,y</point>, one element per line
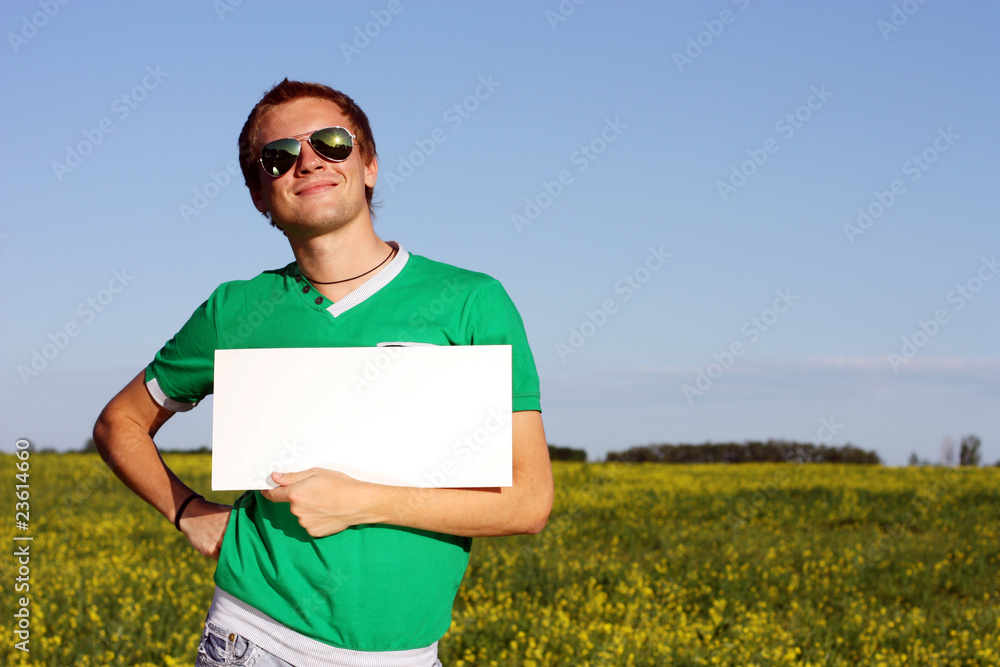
<point>373,284</point>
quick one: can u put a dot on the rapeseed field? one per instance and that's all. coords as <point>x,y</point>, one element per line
<point>641,564</point>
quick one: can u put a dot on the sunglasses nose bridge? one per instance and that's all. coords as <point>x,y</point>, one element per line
<point>305,144</point>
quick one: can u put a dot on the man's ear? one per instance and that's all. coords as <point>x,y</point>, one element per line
<point>371,172</point>
<point>258,200</point>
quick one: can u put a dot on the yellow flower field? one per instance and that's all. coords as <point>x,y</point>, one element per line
<point>641,564</point>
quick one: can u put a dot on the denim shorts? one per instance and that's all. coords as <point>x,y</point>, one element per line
<point>219,648</point>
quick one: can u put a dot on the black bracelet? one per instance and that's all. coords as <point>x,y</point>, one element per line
<point>180,511</point>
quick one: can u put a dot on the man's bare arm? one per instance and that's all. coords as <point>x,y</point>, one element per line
<point>123,435</point>
<point>327,502</point>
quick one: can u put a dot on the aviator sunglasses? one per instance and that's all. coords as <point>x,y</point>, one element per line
<point>331,143</point>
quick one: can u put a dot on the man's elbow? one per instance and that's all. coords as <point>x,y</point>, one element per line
<point>538,515</point>
<point>104,429</point>
<point>537,525</point>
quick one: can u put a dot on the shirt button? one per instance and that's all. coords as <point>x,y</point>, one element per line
<point>298,279</point>
<point>319,300</point>
<point>305,290</point>
<point>232,636</point>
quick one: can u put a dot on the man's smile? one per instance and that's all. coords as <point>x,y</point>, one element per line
<point>316,188</point>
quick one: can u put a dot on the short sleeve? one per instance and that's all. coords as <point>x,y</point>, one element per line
<point>494,320</point>
<point>182,372</point>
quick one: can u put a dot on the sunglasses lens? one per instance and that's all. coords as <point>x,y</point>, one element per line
<point>333,143</point>
<point>279,156</point>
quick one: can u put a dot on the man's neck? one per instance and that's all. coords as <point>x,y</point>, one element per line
<point>346,255</point>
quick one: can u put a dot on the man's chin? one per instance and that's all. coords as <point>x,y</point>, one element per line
<point>314,227</point>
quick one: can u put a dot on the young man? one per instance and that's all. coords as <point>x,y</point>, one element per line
<point>324,569</point>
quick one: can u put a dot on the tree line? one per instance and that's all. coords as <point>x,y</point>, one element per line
<point>771,451</point>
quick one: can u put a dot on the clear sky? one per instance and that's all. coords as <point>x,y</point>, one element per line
<point>719,220</point>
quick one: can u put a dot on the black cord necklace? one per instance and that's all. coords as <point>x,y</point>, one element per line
<point>346,280</point>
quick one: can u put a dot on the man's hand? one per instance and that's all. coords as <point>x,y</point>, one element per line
<point>325,501</point>
<point>204,524</point>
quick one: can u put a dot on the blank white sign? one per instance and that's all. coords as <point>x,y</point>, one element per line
<point>431,416</point>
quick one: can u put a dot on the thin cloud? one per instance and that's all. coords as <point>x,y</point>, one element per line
<point>820,377</point>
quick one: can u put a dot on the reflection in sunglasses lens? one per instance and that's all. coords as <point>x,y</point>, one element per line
<point>333,143</point>
<point>279,156</point>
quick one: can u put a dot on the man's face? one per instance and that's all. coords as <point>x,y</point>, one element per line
<point>315,196</point>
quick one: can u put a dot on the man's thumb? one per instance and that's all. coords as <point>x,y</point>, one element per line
<point>283,478</point>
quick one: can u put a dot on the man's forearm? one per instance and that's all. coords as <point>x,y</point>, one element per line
<point>327,502</point>
<point>468,512</point>
<point>123,436</point>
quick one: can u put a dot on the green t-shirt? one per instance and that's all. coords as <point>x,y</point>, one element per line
<point>370,587</point>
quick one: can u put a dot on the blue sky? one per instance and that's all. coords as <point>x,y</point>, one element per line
<point>720,220</point>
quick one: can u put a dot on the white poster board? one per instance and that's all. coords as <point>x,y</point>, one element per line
<point>430,416</point>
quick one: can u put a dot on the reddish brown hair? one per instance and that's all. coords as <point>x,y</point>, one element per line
<point>285,92</point>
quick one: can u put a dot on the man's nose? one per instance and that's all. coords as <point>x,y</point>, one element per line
<point>309,159</point>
